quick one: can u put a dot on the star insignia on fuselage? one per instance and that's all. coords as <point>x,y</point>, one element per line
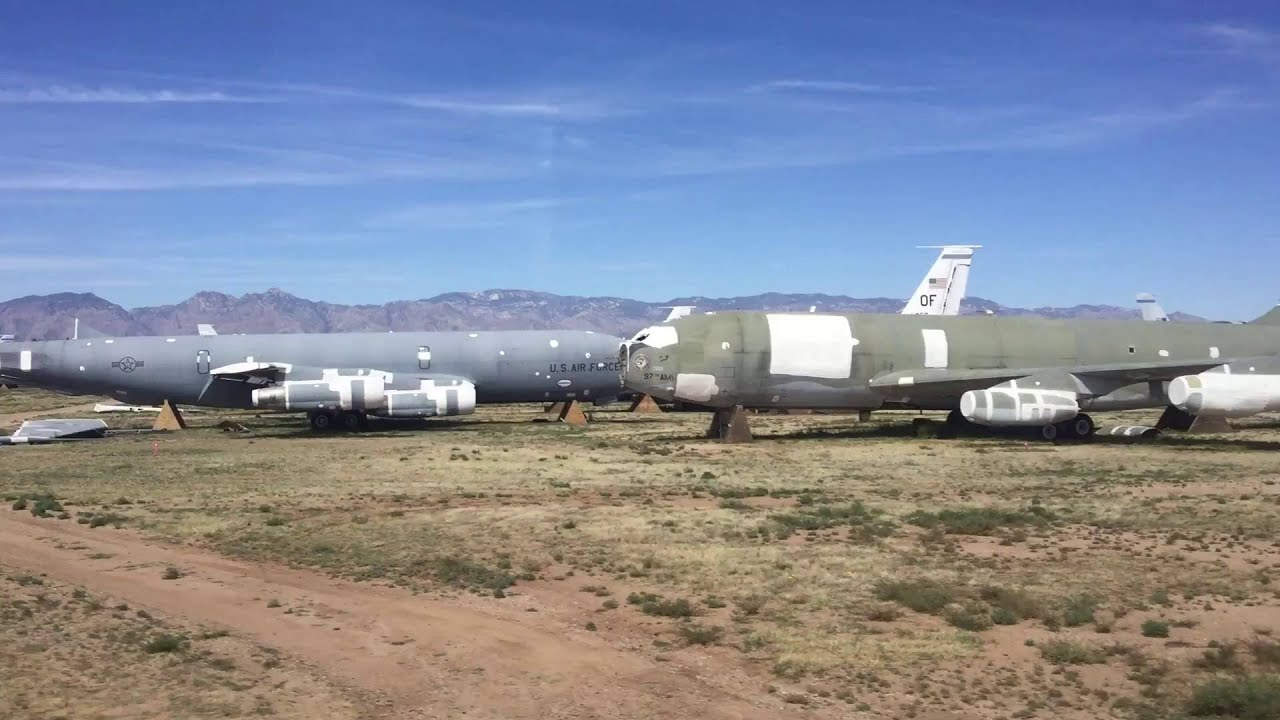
<point>127,364</point>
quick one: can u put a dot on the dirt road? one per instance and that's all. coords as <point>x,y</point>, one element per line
<point>424,657</point>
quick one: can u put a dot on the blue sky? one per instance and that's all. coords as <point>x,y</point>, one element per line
<point>362,152</point>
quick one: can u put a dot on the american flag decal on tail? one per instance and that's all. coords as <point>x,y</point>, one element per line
<point>938,283</point>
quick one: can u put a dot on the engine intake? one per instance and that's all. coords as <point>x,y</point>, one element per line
<point>1018,406</point>
<point>1221,395</point>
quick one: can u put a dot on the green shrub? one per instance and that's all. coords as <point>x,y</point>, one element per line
<point>921,595</point>
<point>1079,610</point>
<point>973,618</point>
<point>678,608</point>
<point>1067,652</point>
<point>1003,616</point>
<point>466,573</point>
<point>978,521</point>
<point>1223,657</point>
<point>165,644</point>
<point>113,519</point>
<point>275,521</point>
<point>696,634</point>
<point>1255,697</point>
<point>1265,651</point>
<point>1019,604</point>
<point>1155,628</point>
<point>44,505</point>
<point>750,604</point>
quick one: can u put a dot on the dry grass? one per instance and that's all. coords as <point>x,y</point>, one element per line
<point>67,653</point>
<point>794,532</point>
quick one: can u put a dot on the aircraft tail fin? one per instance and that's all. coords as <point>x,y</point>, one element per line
<point>678,311</point>
<point>944,286</point>
<point>1151,310</point>
<point>205,329</point>
<point>1271,317</point>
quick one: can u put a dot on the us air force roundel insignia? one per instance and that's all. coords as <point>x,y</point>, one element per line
<point>127,364</point>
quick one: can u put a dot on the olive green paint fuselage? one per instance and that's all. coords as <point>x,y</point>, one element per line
<point>890,361</point>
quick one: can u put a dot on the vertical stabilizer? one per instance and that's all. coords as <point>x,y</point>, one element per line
<point>678,311</point>
<point>1271,317</point>
<point>945,284</point>
<point>1151,310</point>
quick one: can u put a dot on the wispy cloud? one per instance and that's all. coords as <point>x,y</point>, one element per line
<point>455,216</point>
<point>1240,36</point>
<point>1245,41</point>
<point>836,86</point>
<point>58,94</point>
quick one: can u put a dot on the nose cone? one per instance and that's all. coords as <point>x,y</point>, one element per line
<point>647,368</point>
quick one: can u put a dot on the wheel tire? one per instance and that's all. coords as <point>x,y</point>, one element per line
<point>1049,432</point>
<point>321,421</point>
<point>1082,426</point>
<point>956,421</point>
<point>352,421</point>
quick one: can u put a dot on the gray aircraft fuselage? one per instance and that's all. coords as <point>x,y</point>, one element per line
<point>504,366</point>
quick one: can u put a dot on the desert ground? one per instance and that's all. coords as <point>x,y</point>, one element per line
<point>503,566</point>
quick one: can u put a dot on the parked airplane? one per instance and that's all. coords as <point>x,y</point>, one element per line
<point>943,287</point>
<point>337,379</point>
<point>995,371</point>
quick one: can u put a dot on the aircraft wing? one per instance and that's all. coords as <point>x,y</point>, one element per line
<point>1084,380</point>
<point>251,371</point>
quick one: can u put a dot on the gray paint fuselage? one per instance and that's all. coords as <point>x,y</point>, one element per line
<point>505,366</point>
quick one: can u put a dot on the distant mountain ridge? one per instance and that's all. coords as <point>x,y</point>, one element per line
<point>276,311</point>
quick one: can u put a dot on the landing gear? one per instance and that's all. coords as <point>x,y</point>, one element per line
<point>321,420</point>
<point>354,421</point>
<point>329,420</point>
<point>1080,427</point>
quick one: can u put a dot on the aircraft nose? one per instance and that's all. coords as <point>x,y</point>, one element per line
<point>647,369</point>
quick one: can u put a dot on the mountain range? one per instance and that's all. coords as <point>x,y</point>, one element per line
<point>276,311</point>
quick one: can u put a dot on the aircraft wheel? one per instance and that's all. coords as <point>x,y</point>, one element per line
<point>320,421</point>
<point>956,420</point>
<point>353,421</point>
<point>1082,426</point>
<point>1049,432</point>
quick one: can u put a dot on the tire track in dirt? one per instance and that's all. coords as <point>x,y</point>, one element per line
<point>425,657</point>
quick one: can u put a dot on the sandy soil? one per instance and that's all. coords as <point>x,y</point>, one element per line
<point>421,657</point>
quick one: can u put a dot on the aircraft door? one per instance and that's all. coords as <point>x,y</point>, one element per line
<point>202,362</point>
<point>424,357</point>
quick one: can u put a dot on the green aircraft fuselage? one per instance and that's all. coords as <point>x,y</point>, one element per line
<point>869,361</point>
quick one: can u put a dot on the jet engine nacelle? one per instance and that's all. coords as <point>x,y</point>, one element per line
<point>431,401</point>
<point>368,393</point>
<point>340,392</point>
<point>1223,395</point>
<point>1018,406</point>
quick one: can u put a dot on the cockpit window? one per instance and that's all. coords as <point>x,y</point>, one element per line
<point>657,336</point>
